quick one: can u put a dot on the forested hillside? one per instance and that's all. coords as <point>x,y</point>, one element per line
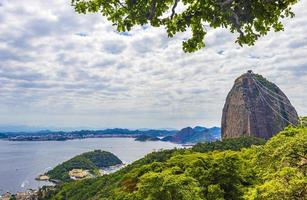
<point>275,170</point>
<point>91,161</point>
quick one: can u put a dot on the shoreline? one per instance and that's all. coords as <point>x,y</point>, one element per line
<point>74,148</point>
<point>30,192</point>
<point>36,139</point>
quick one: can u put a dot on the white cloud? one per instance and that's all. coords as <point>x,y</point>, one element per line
<point>58,68</point>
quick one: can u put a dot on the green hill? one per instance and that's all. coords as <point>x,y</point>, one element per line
<point>274,170</point>
<point>90,161</point>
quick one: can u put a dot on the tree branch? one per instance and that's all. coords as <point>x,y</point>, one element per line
<point>173,8</point>
<point>226,2</point>
<point>234,16</point>
<point>152,10</point>
<point>121,4</point>
<point>237,22</point>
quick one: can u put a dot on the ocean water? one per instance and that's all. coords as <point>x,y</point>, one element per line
<point>22,162</point>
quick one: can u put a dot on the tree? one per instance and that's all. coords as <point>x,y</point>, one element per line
<point>251,19</point>
<point>168,186</point>
<point>303,122</point>
<point>234,144</point>
<point>281,167</point>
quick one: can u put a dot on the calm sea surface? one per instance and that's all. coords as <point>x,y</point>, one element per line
<point>21,162</point>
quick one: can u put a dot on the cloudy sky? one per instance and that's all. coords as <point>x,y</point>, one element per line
<point>61,69</point>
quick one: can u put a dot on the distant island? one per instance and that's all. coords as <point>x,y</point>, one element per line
<point>184,136</point>
<point>86,165</point>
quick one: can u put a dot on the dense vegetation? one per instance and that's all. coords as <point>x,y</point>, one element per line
<point>102,158</point>
<point>275,170</point>
<point>264,82</point>
<point>234,144</point>
<point>91,161</point>
<point>303,121</point>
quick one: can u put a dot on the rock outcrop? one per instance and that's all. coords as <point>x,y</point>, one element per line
<point>256,107</point>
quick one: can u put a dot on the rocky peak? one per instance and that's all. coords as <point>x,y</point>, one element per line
<point>256,107</point>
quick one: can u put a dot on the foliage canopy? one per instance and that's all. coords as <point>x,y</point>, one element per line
<point>234,144</point>
<point>303,121</point>
<point>249,18</point>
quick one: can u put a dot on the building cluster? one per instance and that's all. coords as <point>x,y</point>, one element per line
<point>27,195</point>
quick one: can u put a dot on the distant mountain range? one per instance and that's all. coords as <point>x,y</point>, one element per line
<point>194,135</point>
<point>35,129</point>
<point>184,136</point>
<point>3,135</point>
<point>46,135</point>
<point>32,129</point>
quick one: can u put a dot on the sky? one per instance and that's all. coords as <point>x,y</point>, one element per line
<point>62,69</point>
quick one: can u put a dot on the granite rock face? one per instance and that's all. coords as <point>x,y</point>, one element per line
<point>256,107</point>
